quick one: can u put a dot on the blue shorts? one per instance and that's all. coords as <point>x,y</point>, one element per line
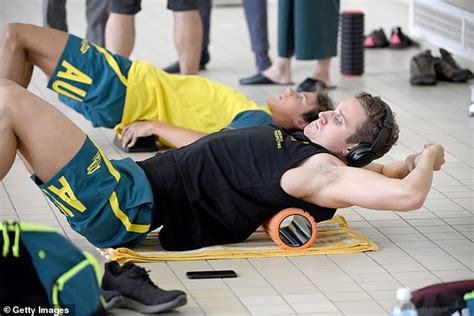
<point>108,202</point>
<point>92,81</point>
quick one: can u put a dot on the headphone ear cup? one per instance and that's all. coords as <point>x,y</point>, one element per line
<point>360,155</point>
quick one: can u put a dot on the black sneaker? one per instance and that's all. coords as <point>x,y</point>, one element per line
<point>400,40</point>
<point>448,69</point>
<point>376,39</point>
<point>174,67</point>
<point>138,290</point>
<point>422,70</point>
<point>112,299</point>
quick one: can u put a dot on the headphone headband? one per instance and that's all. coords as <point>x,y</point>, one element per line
<point>384,133</point>
<point>364,153</point>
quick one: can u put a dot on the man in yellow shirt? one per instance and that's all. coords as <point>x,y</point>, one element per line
<point>138,99</point>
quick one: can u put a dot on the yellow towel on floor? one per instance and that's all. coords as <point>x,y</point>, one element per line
<point>333,236</point>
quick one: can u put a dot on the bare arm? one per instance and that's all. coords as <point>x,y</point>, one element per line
<point>400,169</point>
<point>176,135</point>
<point>332,184</point>
<point>396,169</point>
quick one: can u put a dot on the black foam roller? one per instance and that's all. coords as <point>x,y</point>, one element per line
<point>352,43</point>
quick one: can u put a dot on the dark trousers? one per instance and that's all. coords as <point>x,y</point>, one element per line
<point>256,16</point>
<point>54,16</point>
<point>308,28</point>
<point>205,7</point>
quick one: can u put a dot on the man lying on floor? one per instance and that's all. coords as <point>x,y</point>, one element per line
<point>220,188</point>
<point>138,99</point>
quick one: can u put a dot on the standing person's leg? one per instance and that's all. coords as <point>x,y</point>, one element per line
<point>316,31</point>
<point>120,28</point>
<point>280,71</point>
<point>23,45</point>
<point>204,7</point>
<point>54,14</point>
<point>96,15</point>
<point>256,16</point>
<point>321,73</point>
<point>187,34</point>
<point>120,34</point>
<point>188,40</point>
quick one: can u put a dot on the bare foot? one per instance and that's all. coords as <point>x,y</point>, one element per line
<point>321,71</point>
<point>279,71</point>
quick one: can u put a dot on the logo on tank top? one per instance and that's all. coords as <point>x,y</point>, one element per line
<point>278,138</point>
<point>298,140</point>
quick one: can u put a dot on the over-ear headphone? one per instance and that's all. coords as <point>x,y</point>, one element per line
<point>364,153</point>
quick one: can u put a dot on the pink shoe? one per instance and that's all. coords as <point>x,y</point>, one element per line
<point>399,40</point>
<point>376,39</point>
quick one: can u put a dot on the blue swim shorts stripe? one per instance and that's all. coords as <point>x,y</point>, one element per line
<point>92,81</point>
<point>112,63</point>
<point>107,201</point>
<point>114,204</point>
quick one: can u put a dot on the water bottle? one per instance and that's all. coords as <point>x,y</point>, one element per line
<point>404,306</point>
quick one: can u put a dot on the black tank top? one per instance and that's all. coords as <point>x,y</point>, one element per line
<point>224,186</point>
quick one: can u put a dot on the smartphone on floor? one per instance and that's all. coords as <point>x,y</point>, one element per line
<point>216,274</point>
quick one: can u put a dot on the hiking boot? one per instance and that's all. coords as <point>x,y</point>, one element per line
<point>399,40</point>
<point>422,70</point>
<point>446,72</point>
<point>376,39</point>
<point>448,69</point>
<point>138,290</point>
<point>175,69</point>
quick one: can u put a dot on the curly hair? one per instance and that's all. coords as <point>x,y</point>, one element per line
<point>323,103</point>
<point>370,129</point>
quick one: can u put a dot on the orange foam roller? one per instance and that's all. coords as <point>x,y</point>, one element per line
<point>272,228</point>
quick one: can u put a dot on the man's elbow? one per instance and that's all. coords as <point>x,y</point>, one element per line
<point>412,202</point>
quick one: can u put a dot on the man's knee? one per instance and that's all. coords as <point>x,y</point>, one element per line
<point>6,97</point>
<point>10,34</point>
<point>12,98</point>
<point>8,92</point>
<point>6,84</point>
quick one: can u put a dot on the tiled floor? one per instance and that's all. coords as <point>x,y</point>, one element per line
<point>430,245</point>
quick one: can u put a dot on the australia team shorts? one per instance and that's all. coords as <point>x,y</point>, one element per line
<point>92,81</point>
<point>107,201</point>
